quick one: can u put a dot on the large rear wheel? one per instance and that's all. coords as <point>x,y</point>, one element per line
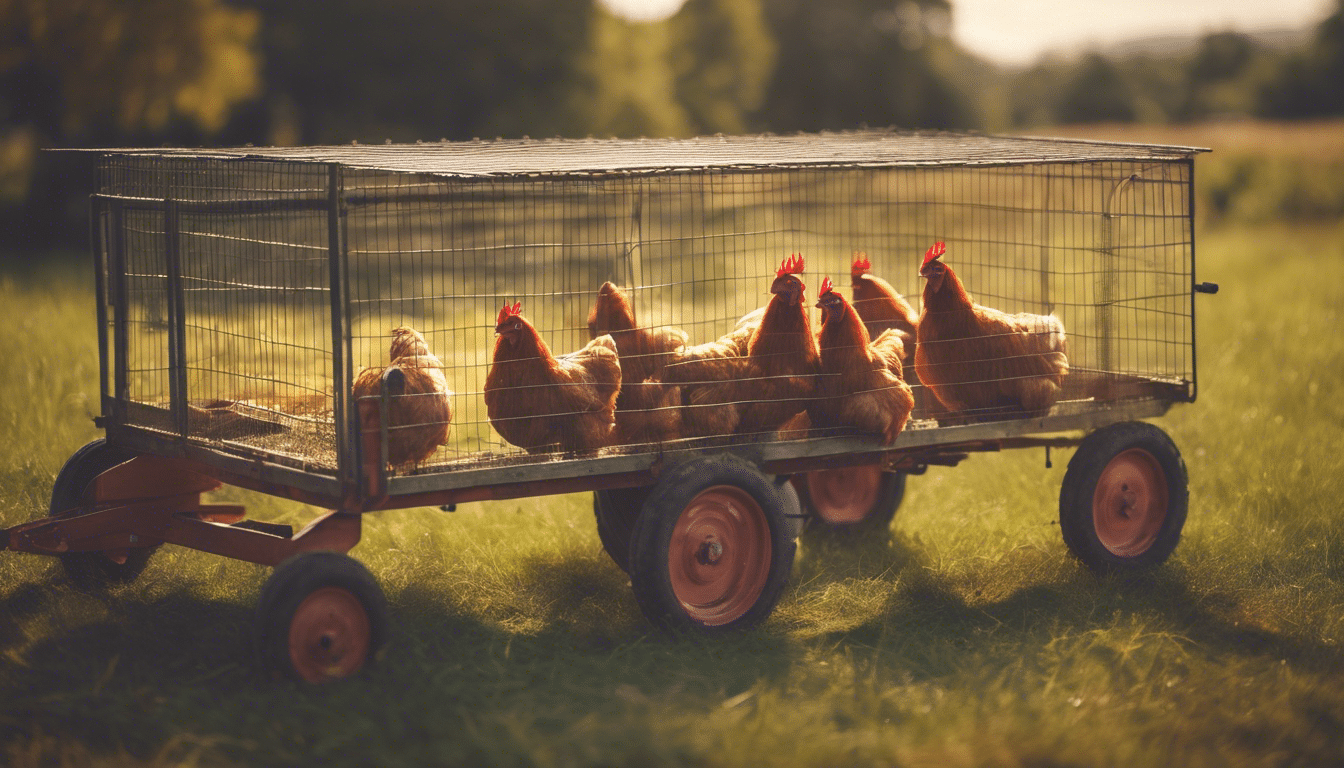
<point>616,511</point>
<point>713,546</point>
<point>859,499</point>
<point>1124,499</point>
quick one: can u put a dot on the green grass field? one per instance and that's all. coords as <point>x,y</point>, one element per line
<point>969,638</point>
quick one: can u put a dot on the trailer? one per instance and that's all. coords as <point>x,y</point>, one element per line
<point>241,292</point>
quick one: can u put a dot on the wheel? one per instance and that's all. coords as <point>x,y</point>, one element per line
<point>1123,502</point>
<point>321,616</point>
<point>616,511</point>
<point>94,570</point>
<point>713,546</point>
<point>862,498</point>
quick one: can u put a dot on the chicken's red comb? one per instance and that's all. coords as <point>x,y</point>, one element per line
<point>791,266</point>
<point>826,287</point>
<point>861,263</point>
<point>506,311</point>
<point>935,250</point>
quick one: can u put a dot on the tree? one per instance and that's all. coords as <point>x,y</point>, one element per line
<point>1310,83</point>
<point>1096,94</point>
<point>722,56</point>
<point>100,72</point>
<point>628,86</point>
<point>843,63</point>
<point>102,68</point>
<point>368,70</point>
<point>1217,76</point>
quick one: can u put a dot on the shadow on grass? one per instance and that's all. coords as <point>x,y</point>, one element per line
<point>462,684</point>
<point>928,611</point>
<point>132,669</point>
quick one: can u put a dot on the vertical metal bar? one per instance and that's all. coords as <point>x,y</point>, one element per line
<point>121,389</point>
<point>1106,278</point>
<point>346,418</point>
<point>1190,230</point>
<point>98,241</point>
<point>177,318</point>
<point>1046,305</point>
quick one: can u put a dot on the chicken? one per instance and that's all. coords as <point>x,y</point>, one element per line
<point>419,412</point>
<point>709,378</point>
<point>540,402</point>
<point>860,383</point>
<point>647,409</point>
<point>881,307</point>
<point>975,358</point>
<point>782,357</point>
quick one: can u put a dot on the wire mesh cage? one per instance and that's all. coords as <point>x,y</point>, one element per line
<point>243,292</point>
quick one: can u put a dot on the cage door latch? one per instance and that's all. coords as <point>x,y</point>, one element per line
<point>1206,287</point>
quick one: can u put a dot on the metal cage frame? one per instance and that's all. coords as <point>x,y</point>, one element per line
<point>360,479</point>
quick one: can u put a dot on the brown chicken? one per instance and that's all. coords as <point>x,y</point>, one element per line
<point>782,357</point>
<point>709,377</point>
<point>541,402</point>
<point>976,359</point>
<point>881,307</point>
<point>648,410</point>
<point>860,383</point>
<point>419,412</point>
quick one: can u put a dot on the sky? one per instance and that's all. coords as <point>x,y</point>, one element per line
<point>1019,32</point>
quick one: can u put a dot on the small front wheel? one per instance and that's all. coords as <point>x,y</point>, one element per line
<point>713,546</point>
<point>321,616</point>
<point>1124,499</point>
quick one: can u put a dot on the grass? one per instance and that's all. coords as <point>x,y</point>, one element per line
<point>968,638</point>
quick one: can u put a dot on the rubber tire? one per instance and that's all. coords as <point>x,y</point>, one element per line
<point>291,583</point>
<point>616,511</point>
<point>1076,520</point>
<point>650,577</point>
<point>93,571</point>
<point>890,494</point>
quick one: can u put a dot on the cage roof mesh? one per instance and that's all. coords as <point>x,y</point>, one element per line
<point>584,157</point>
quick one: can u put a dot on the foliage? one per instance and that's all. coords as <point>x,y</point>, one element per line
<point>1260,189</point>
<point>722,54</point>
<point>843,64</point>
<point>89,68</point>
<point>370,70</point>
<point>630,90</point>
<point>1095,94</point>
<point>1310,83</point>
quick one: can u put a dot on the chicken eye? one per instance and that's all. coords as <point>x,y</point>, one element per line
<point>517,326</point>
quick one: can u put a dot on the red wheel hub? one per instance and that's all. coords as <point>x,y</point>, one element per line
<point>844,496</point>
<point>1130,503</point>
<point>329,635</point>
<point>719,556</point>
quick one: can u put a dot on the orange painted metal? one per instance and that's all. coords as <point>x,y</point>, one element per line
<point>1129,504</point>
<point>719,555</point>
<point>371,449</point>
<point>153,500</point>
<point>329,635</point>
<point>844,496</point>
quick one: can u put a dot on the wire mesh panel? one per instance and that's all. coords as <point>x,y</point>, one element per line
<point>239,252</point>
<point>274,289</point>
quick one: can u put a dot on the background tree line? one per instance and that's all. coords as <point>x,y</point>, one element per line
<point>228,72</point>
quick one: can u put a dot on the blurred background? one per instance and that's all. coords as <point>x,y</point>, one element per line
<point>1242,76</point>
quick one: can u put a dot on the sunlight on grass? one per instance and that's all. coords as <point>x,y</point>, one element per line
<point>969,637</point>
